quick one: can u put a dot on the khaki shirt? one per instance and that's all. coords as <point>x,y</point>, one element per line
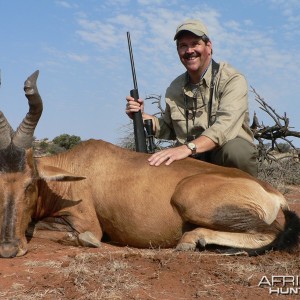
<point>229,113</point>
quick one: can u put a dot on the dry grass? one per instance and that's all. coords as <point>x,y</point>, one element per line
<point>112,276</point>
<point>280,173</point>
<point>129,273</point>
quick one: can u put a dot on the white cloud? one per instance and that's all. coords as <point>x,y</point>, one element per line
<point>77,57</point>
<point>152,30</point>
<point>65,4</point>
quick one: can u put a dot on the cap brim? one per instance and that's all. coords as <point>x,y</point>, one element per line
<point>196,32</point>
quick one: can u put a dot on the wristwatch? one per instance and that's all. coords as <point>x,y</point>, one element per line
<point>192,147</point>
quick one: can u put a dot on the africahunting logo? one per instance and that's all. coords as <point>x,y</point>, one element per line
<point>281,284</point>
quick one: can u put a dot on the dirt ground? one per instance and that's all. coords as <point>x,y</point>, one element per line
<point>53,271</point>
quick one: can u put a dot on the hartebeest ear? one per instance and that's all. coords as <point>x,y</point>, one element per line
<point>51,173</point>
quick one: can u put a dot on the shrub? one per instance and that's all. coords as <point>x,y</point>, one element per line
<point>66,141</point>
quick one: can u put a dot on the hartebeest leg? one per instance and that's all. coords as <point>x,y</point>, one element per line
<point>234,212</point>
<point>65,238</point>
<point>57,230</point>
<point>85,239</point>
<point>203,237</point>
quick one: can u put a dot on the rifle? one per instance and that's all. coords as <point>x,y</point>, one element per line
<point>138,125</point>
<point>150,135</point>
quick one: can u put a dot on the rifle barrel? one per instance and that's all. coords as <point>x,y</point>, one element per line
<point>138,125</point>
<point>132,61</point>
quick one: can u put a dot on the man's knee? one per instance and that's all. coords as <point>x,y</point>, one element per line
<point>237,153</point>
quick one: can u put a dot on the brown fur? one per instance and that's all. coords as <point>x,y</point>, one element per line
<point>100,188</point>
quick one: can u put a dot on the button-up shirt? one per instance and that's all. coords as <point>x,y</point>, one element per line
<point>229,108</point>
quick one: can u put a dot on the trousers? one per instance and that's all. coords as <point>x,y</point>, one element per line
<point>236,153</point>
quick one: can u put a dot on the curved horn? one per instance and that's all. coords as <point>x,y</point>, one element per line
<point>24,135</point>
<point>5,132</point>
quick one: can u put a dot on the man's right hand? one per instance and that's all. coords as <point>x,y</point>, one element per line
<point>133,106</point>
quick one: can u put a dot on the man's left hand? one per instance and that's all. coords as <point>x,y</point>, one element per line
<point>169,155</point>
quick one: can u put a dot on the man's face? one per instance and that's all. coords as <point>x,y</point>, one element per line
<point>194,54</point>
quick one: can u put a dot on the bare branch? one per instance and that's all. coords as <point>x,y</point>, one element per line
<point>280,130</point>
<point>157,101</point>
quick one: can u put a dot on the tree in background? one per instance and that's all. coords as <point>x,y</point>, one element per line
<point>59,144</point>
<point>66,141</point>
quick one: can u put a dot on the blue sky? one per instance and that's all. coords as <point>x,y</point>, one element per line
<point>80,48</point>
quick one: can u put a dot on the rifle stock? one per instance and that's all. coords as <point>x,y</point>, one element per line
<point>138,125</point>
<point>150,135</point>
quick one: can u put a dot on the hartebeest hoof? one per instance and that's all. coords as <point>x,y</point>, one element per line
<point>185,247</point>
<point>87,239</point>
<point>22,252</point>
<point>191,246</point>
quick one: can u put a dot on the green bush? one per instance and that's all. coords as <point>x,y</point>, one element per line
<point>66,141</point>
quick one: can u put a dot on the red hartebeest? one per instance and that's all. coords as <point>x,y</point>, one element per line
<point>95,188</point>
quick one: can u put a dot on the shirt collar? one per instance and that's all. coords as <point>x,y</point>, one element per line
<point>206,75</point>
<point>205,71</point>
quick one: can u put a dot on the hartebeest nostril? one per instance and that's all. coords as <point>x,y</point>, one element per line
<point>8,249</point>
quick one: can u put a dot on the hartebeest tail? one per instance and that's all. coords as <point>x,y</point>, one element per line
<point>287,240</point>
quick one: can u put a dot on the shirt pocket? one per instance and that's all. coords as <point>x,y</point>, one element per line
<point>177,114</point>
<point>179,122</point>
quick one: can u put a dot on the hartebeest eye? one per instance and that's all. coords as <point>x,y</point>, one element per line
<point>29,188</point>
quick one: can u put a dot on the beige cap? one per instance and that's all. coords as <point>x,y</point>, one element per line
<point>194,26</point>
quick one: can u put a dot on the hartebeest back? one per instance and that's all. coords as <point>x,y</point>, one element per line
<point>95,188</point>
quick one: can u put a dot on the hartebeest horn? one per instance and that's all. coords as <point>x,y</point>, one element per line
<point>24,135</point>
<point>5,132</point>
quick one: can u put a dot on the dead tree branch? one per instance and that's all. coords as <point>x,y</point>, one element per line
<point>280,130</point>
<point>157,101</point>
<point>281,127</point>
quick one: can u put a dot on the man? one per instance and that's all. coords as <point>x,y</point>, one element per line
<point>206,108</point>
